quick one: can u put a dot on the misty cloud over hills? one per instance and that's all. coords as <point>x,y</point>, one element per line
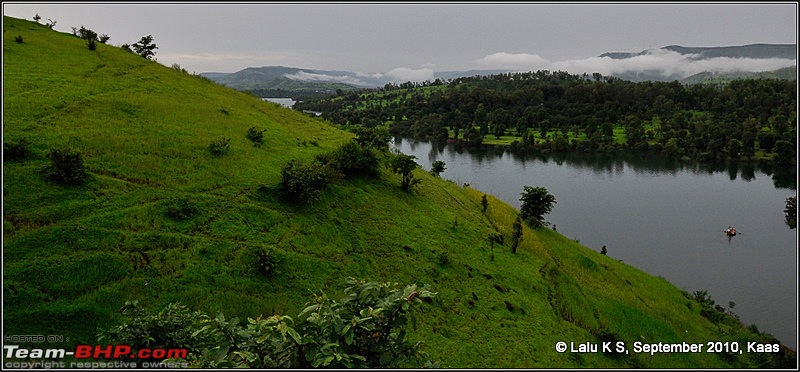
<point>662,64</point>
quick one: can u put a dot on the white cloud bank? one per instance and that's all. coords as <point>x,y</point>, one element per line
<point>665,62</point>
<point>398,75</point>
<point>307,76</point>
<point>402,74</point>
<point>514,61</point>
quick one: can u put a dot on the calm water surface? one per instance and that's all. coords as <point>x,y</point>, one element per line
<point>285,102</point>
<point>666,218</point>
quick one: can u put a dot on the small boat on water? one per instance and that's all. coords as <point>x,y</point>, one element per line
<point>730,231</point>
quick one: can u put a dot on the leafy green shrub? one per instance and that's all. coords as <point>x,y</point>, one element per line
<point>181,209</point>
<point>373,138</point>
<point>16,150</point>
<point>304,182</point>
<point>259,260</point>
<point>444,258</point>
<point>174,325</point>
<point>438,167</point>
<point>88,35</point>
<point>256,136</point>
<point>352,159</point>
<point>66,166</point>
<point>220,146</point>
<point>364,329</point>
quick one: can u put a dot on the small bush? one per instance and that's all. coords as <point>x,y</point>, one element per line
<point>352,159</point>
<point>16,150</point>
<point>66,166</point>
<point>18,39</point>
<point>444,258</point>
<point>438,167</point>
<point>181,209</point>
<point>256,136</point>
<point>220,147</point>
<point>88,35</point>
<point>304,182</point>
<point>259,260</point>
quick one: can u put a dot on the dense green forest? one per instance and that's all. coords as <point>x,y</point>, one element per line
<point>556,112</point>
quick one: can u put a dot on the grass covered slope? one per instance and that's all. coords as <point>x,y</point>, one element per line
<point>72,255</point>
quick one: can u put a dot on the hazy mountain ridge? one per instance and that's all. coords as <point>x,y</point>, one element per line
<point>787,73</point>
<point>279,77</point>
<point>788,51</point>
<point>631,67</point>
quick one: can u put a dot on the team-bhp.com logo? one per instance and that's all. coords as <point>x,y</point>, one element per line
<point>93,352</point>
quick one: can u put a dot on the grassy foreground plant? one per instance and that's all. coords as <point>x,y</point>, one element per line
<point>364,329</point>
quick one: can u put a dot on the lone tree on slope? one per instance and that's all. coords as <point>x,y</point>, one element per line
<point>145,47</point>
<point>536,202</point>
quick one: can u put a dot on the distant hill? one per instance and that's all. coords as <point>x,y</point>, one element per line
<point>300,82</point>
<point>788,51</point>
<point>273,78</point>
<point>286,78</point>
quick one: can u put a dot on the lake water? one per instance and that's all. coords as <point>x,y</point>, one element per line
<point>285,102</point>
<point>664,217</point>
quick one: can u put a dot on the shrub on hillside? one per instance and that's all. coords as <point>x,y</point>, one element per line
<point>181,209</point>
<point>16,150</point>
<point>352,159</point>
<point>18,39</point>
<point>304,182</point>
<point>256,136</point>
<point>438,167</point>
<point>88,35</point>
<point>259,260</point>
<point>220,146</point>
<point>66,166</point>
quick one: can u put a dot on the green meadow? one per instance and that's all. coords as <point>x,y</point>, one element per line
<point>73,255</point>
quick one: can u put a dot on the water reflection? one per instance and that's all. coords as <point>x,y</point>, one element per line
<point>784,177</point>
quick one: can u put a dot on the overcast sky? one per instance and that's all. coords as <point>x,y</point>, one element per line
<point>415,39</point>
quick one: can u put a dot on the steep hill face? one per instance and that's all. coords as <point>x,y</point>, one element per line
<point>161,220</point>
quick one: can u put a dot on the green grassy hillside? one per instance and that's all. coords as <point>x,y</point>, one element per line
<point>72,255</point>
